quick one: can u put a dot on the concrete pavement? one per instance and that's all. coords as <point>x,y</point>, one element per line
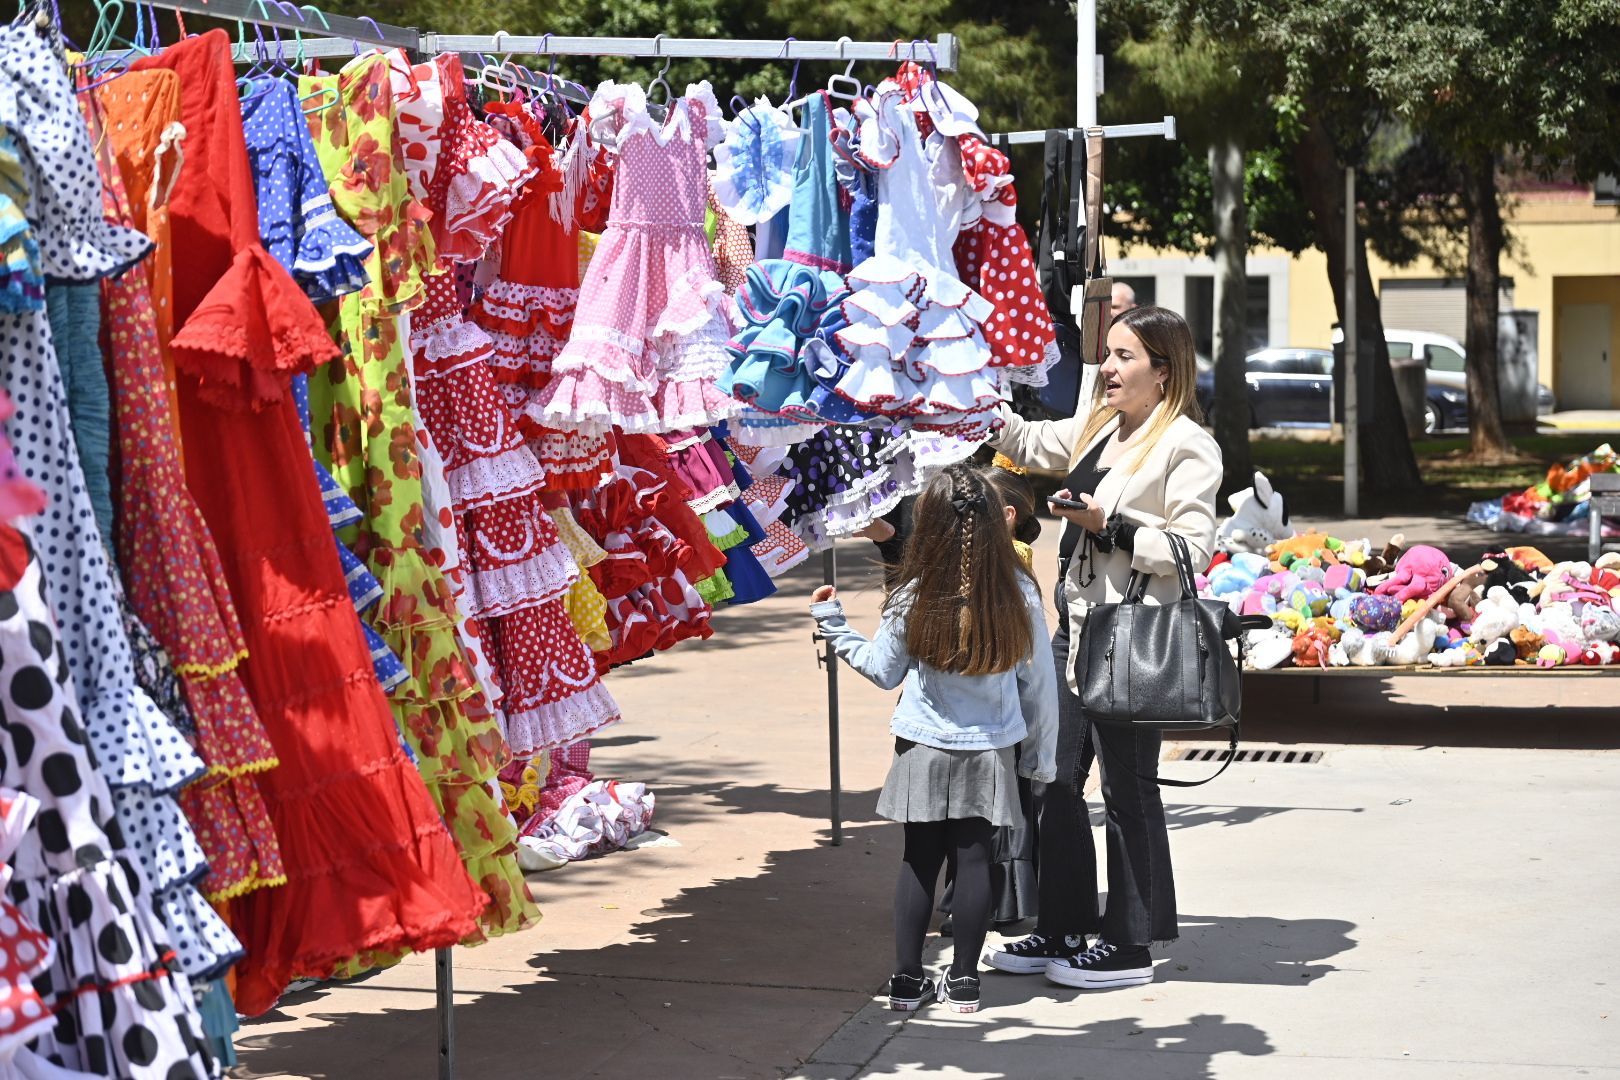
<point>1424,901</point>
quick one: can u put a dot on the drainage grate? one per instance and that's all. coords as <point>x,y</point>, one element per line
<point>1279,757</point>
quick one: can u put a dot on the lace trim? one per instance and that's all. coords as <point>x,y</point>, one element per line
<point>253,880</point>
<point>483,481</point>
<point>207,672</point>
<point>458,340</point>
<point>554,725</point>
<point>503,590</point>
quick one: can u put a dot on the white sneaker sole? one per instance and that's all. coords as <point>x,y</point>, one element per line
<point>907,1004</point>
<point>962,1006</point>
<point>1014,964</point>
<point>1086,979</point>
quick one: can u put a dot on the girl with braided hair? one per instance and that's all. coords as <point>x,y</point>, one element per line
<point>976,683</point>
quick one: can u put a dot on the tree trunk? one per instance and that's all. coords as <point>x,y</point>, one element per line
<point>1486,439</point>
<point>1231,314</point>
<point>1387,463</point>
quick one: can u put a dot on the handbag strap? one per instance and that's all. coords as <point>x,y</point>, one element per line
<point>1184,567</point>
<point>1093,142</point>
<point>1163,781</point>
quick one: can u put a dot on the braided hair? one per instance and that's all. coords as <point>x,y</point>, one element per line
<point>959,579</point>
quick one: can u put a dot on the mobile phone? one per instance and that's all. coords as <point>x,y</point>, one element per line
<point>1071,504</point>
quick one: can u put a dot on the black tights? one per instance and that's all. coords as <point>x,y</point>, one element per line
<point>928,843</point>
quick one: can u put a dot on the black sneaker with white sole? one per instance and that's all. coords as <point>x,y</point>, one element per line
<point>907,993</point>
<point>1031,955</point>
<point>1104,965</point>
<point>961,993</point>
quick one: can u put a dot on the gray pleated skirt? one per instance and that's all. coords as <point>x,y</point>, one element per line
<point>926,783</point>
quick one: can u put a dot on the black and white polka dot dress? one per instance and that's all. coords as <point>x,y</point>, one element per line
<point>119,1011</point>
<point>144,759</point>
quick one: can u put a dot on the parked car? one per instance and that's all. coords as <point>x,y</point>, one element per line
<point>1293,387</point>
<point>1446,408</point>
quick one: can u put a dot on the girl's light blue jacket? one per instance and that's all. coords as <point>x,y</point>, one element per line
<point>959,712</point>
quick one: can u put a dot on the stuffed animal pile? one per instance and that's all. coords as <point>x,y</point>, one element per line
<point>1339,603</point>
<point>1557,505</point>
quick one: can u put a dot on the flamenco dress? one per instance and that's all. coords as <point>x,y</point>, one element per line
<point>648,341</point>
<point>120,1004</point>
<point>175,581</point>
<point>363,414</point>
<point>528,309</point>
<point>144,757</point>
<point>369,862</point>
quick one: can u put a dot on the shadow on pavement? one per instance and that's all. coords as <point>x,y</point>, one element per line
<point>1119,1047</point>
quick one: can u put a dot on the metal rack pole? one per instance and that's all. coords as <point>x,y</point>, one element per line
<point>1165,127</point>
<point>829,576</point>
<point>444,1004</point>
<point>945,52</point>
<point>289,16</point>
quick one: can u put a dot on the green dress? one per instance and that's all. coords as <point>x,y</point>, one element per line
<point>364,426</point>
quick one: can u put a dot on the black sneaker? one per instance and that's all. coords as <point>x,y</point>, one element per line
<point>1104,965</point>
<point>961,993</point>
<point>1029,956</point>
<point>907,993</point>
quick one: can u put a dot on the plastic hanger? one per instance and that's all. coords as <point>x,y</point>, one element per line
<point>845,87</point>
<point>659,80</point>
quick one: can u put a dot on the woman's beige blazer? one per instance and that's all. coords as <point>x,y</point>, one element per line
<point>1172,491</point>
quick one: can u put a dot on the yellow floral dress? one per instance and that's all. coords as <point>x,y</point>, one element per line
<point>364,428</point>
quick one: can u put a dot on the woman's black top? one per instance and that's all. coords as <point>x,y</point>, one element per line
<point>1083,480</point>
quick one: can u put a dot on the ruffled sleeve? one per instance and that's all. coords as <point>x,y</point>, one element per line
<point>612,109</point>
<point>331,257</point>
<point>754,165</point>
<point>254,328</point>
<point>708,123</point>
<point>76,243</point>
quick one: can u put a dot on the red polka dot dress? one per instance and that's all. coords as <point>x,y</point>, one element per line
<point>528,309</point>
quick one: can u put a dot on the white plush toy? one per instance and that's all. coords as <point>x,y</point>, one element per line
<point>1259,519</point>
<point>1495,617</point>
<point>1353,649</point>
<point>1416,645</point>
<point>1599,623</point>
<point>1266,649</point>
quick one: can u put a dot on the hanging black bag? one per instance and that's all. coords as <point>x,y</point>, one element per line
<point>1163,666</point>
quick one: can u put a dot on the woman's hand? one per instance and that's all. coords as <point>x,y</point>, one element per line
<point>877,532</point>
<point>1092,519</point>
<point>823,594</point>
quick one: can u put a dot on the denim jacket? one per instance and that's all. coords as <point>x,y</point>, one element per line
<point>959,712</point>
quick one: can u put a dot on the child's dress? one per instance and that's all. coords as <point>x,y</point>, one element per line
<point>649,339</point>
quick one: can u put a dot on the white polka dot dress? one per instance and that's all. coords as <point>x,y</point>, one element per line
<point>143,757</point>
<point>120,1010</point>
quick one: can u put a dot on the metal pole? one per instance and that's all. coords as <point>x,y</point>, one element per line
<point>1352,433</point>
<point>444,998</point>
<point>1085,64</point>
<point>829,576</point>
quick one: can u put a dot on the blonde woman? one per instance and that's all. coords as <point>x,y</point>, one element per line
<point>1139,467</point>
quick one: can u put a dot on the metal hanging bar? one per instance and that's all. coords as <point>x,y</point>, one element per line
<point>288,16</point>
<point>1165,127</point>
<point>945,52</point>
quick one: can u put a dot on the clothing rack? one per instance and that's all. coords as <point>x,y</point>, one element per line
<point>339,35</point>
<point>1165,127</point>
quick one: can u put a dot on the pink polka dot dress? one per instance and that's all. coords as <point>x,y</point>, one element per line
<point>649,336</point>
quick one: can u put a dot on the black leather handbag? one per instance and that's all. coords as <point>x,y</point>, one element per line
<point>1163,666</point>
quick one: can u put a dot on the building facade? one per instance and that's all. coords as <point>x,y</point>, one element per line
<point>1565,267</point>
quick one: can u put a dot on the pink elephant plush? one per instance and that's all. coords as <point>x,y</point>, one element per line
<point>1418,573</point>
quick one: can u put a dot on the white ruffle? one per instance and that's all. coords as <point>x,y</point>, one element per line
<point>502,590</point>
<point>546,727</point>
<point>486,480</point>
<point>452,339</point>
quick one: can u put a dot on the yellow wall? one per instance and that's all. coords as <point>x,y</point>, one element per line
<point>1586,289</point>
<point>1557,236</point>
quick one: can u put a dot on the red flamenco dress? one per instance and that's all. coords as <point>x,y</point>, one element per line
<point>369,863</point>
